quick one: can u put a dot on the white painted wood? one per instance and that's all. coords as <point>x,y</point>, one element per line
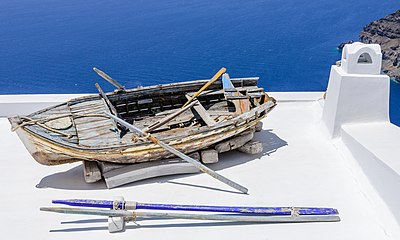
<point>109,166</point>
<point>140,171</point>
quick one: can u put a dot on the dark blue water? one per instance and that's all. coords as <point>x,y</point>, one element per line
<point>50,46</point>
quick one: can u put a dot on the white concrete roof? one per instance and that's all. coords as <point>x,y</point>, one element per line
<point>300,166</point>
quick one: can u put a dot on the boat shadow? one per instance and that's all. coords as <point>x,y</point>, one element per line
<point>270,141</point>
<point>73,179</point>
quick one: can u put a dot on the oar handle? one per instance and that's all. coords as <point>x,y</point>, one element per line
<point>205,86</point>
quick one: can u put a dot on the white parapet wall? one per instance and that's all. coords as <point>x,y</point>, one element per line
<point>356,111</point>
<point>18,104</point>
<point>11,105</point>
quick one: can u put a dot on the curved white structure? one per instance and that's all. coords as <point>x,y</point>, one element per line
<point>357,91</point>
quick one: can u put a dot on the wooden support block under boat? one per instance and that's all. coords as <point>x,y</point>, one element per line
<point>233,143</point>
<point>91,171</point>
<point>140,171</point>
<point>251,147</point>
<point>259,126</point>
<point>209,156</point>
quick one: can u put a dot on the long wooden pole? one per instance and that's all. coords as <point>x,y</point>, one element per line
<point>104,96</point>
<point>109,79</point>
<point>212,80</point>
<point>168,118</point>
<point>167,147</point>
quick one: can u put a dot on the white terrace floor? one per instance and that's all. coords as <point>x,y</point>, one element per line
<point>300,166</point>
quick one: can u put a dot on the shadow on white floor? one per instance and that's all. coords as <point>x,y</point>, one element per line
<point>72,179</point>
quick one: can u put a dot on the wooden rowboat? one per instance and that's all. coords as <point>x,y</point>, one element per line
<point>79,129</point>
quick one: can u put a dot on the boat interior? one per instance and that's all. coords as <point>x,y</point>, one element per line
<point>83,121</point>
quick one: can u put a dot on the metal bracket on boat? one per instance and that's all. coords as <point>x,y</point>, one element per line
<point>117,224</point>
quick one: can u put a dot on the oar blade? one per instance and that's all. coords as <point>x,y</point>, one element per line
<point>109,79</point>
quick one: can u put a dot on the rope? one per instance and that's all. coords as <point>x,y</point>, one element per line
<point>37,121</point>
<point>47,127</point>
<point>143,138</point>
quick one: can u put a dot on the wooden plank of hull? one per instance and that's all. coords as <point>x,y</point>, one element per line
<point>48,153</point>
<point>45,153</point>
<point>105,132</point>
<point>184,87</point>
<point>58,110</point>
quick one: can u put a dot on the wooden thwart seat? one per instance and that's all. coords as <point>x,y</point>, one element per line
<point>203,113</point>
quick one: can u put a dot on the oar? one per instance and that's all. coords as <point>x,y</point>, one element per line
<point>109,79</point>
<point>168,118</point>
<point>216,217</point>
<point>212,80</point>
<point>132,205</point>
<point>179,154</point>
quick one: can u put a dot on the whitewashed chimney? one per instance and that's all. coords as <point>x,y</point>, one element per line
<point>357,91</point>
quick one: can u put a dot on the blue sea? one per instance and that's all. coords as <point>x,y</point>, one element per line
<point>51,46</point>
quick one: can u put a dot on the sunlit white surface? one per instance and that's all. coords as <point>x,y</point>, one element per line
<point>300,166</point>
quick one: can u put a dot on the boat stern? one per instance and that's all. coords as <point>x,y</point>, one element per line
<point>39,149</point>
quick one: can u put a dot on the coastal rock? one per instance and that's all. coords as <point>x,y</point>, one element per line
<point>386,33</point>
<point>341,46</point>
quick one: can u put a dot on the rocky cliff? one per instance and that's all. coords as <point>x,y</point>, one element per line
<point>386,32</point>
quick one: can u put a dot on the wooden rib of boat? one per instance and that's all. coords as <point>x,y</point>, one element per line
<point>79,129</point>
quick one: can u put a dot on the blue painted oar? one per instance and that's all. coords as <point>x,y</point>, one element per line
<point>172,215</point>
<point>131,205</point>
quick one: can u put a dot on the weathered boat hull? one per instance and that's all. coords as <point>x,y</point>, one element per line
<point>52,147</point>
<point>47,153</point>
